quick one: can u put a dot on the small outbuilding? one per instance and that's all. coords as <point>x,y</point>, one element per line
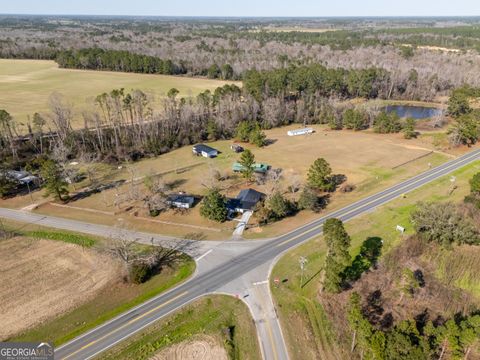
<point>180,201</point>
<point>237,148</point>
<point>259,168</point>
<point>304,131</point>
<point>22,177</point>
<point>205,151</point>
<point>246,200</point>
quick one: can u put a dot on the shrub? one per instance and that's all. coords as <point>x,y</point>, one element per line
<point>139,272</point>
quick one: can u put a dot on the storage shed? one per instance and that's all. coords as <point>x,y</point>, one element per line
<point>304,131</point>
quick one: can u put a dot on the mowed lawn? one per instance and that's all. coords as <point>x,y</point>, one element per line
<point>25,86</point>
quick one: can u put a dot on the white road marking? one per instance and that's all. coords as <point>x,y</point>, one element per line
<point>202,256</point>
<point>260,282</point>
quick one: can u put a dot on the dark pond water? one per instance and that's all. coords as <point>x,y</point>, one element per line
<point>416,112</point>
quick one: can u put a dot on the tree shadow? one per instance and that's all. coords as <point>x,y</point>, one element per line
<point>269,142</point>
<point>369,253</point>
<point>94,190</point>
<point>176,183</point>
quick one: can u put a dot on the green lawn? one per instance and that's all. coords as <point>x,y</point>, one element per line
<point>308,329</point>
<point>223,317</point>
<point>25,86</point>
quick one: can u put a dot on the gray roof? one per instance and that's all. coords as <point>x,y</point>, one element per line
<point>181,198</point>
<point>203,148</point>
<point>247,199</point>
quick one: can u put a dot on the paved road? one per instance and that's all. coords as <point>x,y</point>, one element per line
<point>214,278</point>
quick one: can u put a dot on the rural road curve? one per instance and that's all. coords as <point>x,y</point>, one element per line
<point>233,263</point>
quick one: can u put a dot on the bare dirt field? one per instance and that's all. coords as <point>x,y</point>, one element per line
<point>201,348</point>
<point>42,279</point>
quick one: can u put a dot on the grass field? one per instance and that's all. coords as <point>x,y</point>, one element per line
<point>370,161</point>
<point>81,288</point>
<point>308,333</point>
<point>223,318</point>
<point>25,86</point>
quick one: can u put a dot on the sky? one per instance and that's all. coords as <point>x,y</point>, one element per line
<point>239,8</point>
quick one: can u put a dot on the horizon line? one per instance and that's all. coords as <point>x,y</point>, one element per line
<point>251,16</point>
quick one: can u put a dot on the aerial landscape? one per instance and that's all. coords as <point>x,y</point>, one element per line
<point>252,180</point>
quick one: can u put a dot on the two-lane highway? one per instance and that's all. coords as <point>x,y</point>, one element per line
<point>127,324</point>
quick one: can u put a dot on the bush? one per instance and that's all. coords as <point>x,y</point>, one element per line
<point>154,212</point>
<point>387,123</point>
<point>139,272</point>
<point>444,224</point>
<point>308,200</point>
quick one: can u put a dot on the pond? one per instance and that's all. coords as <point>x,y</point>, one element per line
<point>416,112</point>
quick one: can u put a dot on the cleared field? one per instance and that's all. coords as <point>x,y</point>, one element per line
<point>370,161</point>
<point>25,85</point>
<point>309,334</point>
<point>42,279</point>
<point>214,327</point>
<point>203,347</point>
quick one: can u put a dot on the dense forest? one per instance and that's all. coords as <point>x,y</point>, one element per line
<point>228,48</point>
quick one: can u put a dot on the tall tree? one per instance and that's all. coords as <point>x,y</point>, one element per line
<point>54,181</point>
<point>338,256</point>
<point>319,175</point>
<point>214,206</point>
<point>247,160</point>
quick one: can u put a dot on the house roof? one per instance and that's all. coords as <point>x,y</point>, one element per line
<point>181,198</point>
<point>203,148</point>
<point>248,198</point>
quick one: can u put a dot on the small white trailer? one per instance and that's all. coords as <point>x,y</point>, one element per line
<point>304,131</point>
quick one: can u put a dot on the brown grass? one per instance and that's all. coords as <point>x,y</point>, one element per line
<point>42,279</point>
<point>436,298</point>
<point>200,348</point>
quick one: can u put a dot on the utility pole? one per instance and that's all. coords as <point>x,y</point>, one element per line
<point>303,262</point>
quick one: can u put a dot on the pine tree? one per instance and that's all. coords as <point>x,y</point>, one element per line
<point>409,129</point>
<point>247,160</point>
<point>55,183</point>
<point>319,175</point>
<point>278,205</point>
<point>214,206</point>
<point>338,256</point>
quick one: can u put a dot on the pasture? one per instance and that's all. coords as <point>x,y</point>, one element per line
<point>369,161</point>
<point>25,86</point>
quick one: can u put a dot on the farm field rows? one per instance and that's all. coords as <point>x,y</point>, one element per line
<point>60,284</point>
<point>25,86</point>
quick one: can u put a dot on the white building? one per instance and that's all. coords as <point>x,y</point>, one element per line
<point>205,151</point>
<point>304,131</point>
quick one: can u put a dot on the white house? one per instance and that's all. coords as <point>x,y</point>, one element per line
<point>304,131</point>
<point>205,151</point>
<point>180,201</point>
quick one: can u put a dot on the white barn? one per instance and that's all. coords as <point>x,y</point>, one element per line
<point>304,131</point>
<point>205,151</point>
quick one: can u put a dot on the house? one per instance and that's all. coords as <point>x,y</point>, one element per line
<point>205,151</point>
<point>181,201</point>
<point>304,131</point>
<point>258,167</point>
<point>23,177</point>
<point>237,148</point>
<point>246,200</point>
